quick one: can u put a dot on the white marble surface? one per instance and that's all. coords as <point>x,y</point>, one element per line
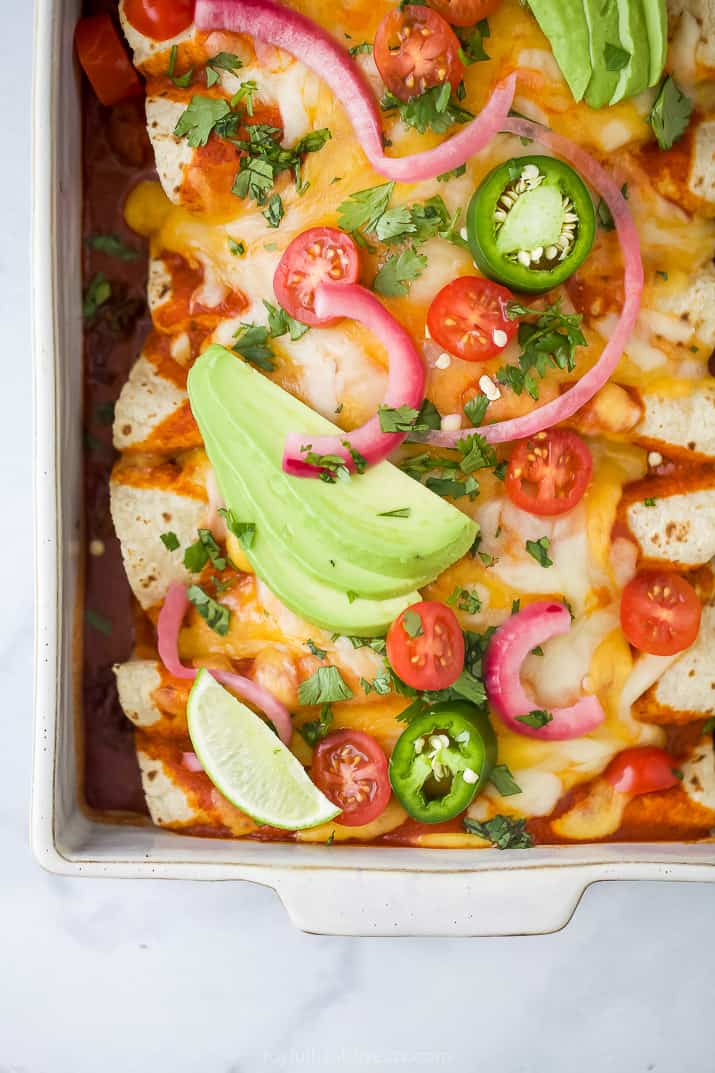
<point>150,976</point>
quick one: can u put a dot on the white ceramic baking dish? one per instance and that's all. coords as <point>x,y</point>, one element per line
<point>347,890</point>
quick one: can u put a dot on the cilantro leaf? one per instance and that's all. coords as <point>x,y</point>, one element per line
<point>197,123</point>
<point>364,48</point>
<point>503,781</point>
<point>323,687</point>
<point>670,115</point>
<point>400,512</point>
<point>316,729</point>
<point>504,832</point>
<point>464,600</point>
<point>319,653</point>
<point>214,614</point>
<point>435,109</point>
<point>275,212</point>
<point>471,39</point>
<point>113,246</point>
<point>476,453</point>
<point>398,271</point>
<point>226,61</point>
<point>238,249</point>
<point>548,342</point>
<point>97,292</point>
<point>252,344</point>
<point>539,550</point>
<point>245,532</point>
<point>281,323</point>
<point>397,419</point>
<point>170,541</point>
<point>201,551</point>
<point>412,623</point>
<point>615,58</point>
<point>244,95</point>
<point>363,209</point>
<point>98,622</point>
<point>536,719</point>
<point>475,409</point>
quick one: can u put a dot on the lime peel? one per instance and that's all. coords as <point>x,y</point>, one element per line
<point>249,764</point>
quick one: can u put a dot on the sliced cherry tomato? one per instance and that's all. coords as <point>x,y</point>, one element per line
<point>320,254</point>
<point>351,769</point>
<point>416,49</point>
<point>468,318</point>
<point>642,770</point>
<point>660,612</point>
<point>549,473</point>
<point>465,12</point>
<point>105,61</point>
<point>160,19</point>
<point>425,646</point>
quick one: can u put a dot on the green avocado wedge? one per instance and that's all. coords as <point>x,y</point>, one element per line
<point>227,394</point>
<point>656,20</point>
<point>635,76</point>
<point>564,23</point>
<point>603,21</point>
<point>323,549</point>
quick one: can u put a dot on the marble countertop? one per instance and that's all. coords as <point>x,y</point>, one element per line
<point>135,977</point>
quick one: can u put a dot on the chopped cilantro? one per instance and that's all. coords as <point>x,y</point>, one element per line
<point>504,832</point>
<point>316,729</point>
<point>274,212</point>
<point>363,209</point>
<point>536,719</point>
<point>244,95</point>
<point>201,551</point>
<point>472,42</point>
<point>615,58</point>
<point>475,409</point>
<point>319,653</point>
<point>98,622</point>
<point>245,532</point>
<point>503,781</point>
<point>455,173</point>
<point>214,614</point>
<point>238,249</point>
<point>398,271</point>
<point>400,512</point>
<point>264,159</point>
<point>466,601</point>
<point>323,687</point>
<point>412,623</point>
<point>113,246</point>
<point>539,550</point>
<point>182,81</point>
<point>364,48</point>
<point>476,453</point>
<point>670,115</point>
<point>709,725</point>
<point>435,109</point>
<point>281,323</point>
<point>252,344</point>
<point>649,502</point>
<point>661,275</point>
<point>170,541</point>
<point>202,116</point>
<point>550,341</point>
<point>97,292</point>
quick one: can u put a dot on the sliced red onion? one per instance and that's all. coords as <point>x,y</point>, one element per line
<point>508,649</point>
<point>575,397</point>
<point>168,627</point>
<point>405,382</point>
<point>312,45</point>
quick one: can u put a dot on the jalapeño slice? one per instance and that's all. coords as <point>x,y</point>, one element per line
<point>531,223</point>
<point>442,761</point>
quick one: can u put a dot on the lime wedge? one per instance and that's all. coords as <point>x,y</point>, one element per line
<point>248,763</point>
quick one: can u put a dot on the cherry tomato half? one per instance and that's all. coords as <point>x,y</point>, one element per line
<point>642,770</point>
<point>416,49</point>
<point>660,612</point>
<point>549,473</point>
<point>468,318</point>
<point>160,19</point>
<point>465,12</point>
<point>351,769</point>
<point>318,255</point>
<point>425,646</point>
<point>104,60</point>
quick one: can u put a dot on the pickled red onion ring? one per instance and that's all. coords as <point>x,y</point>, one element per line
<point>575,397</point>
<point>168,627</point>
<point>508,649</point>
<point>312,45</point>
<point>405,383</point>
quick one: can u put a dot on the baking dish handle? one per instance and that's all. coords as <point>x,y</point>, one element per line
<point>525,901</point>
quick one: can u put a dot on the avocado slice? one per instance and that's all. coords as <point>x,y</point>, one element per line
<point>306,525</point>
<point>306,595</point>
<point>634,77</point>
<point>265,495</point>
<point>564,24</point>
<point>603,21</point>
<point>656,20</point>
